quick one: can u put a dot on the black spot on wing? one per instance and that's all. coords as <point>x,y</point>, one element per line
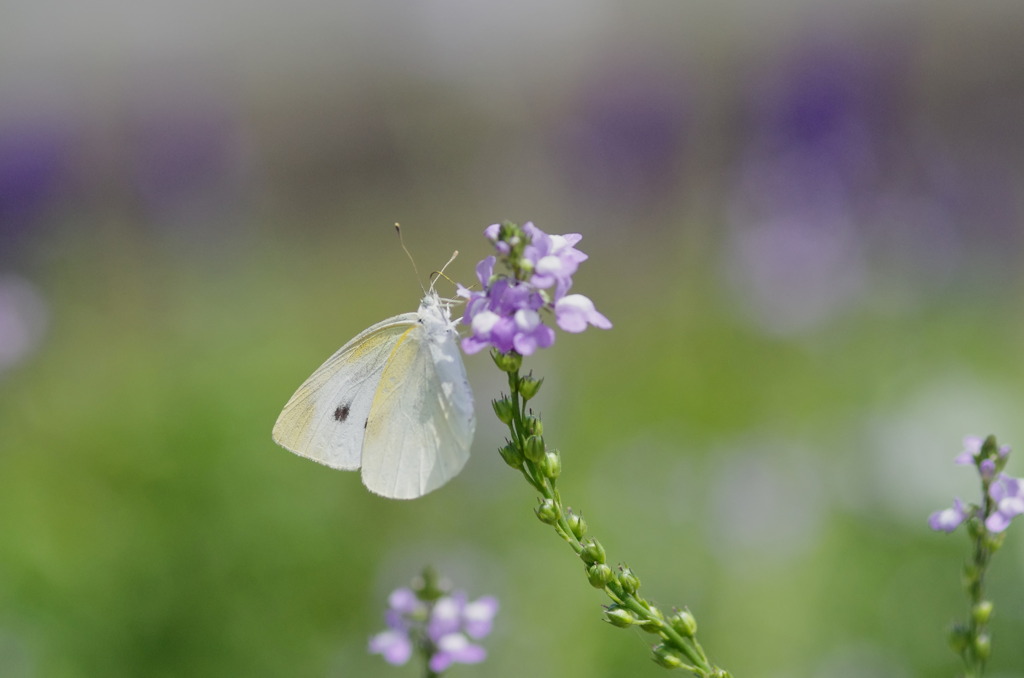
<point>341,412</point>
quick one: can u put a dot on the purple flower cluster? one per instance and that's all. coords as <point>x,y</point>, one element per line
<point>973,456</point>
<point>442,628</point>
<point>506,314</point>
<point>1006,492</point>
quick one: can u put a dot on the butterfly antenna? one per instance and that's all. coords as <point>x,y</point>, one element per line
<point>440,274</point>
<point>401,241</point>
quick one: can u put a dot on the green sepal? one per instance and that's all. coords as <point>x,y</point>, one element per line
<point>534,448</point>
<point>981,612</point>
<point>656,621</point>
<point>959,638</point>
<point>547,512</point>
<point>428,586</point>
<point>528,386</point>
<point>983,646</point>
<point>552,464</point>
<point>684,623</point>
<point>507,362</point>
<point>512,455</point>
<point>617,616</point>
<point>592,552</point>
<point>629,582</point>
<point>664,656</point>
<point>504,410</point>
<point>599,575</point>
<point>577,524</point>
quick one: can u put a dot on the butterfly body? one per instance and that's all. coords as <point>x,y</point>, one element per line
<point>394,401</point>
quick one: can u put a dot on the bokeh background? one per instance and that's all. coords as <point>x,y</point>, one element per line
<point>804,219</point>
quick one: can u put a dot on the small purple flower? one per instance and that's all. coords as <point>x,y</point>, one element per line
<point>1008,494</point>
<point>402,604</point>
<point>394,645</point>
<point>453,622</point>
<point>442,629</point>
<point>23,319</point>
<point>554,258</point>
<point>491,232</point>
<point>948,519</point>
<point>478,616</point>
<point>507,313</point>
<point>1005,492</point>
<point>574,312</point>
<point>972,448</point>
<point>456,648</point>
<point>446,616</point>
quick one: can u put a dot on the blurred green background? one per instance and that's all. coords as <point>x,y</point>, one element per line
<point>805,223</point>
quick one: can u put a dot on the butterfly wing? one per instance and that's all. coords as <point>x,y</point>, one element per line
<point>326,418</point>
<point>421,422</point>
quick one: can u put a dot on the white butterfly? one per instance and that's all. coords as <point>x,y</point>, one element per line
<point>394,400</point>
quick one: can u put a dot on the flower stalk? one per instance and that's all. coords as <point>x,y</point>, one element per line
<point>1002,499</point>
<point>679,647</point>
<point>437,624</point>
<point>507,316</point>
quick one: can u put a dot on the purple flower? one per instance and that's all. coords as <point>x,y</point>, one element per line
<point>446,616</point>
<point>949,519</point>
<point>478,616</point>
<point>455,648</point>
<point>1008,494</point>
<point>453,622</point>
<point>442,629</point>
<point>507,313</point>
<point>491,232</point>
<point>972,448</point>
<point>1005,492</point>
<point>395,644</point>
<point>23,319</point>
<point>553,258</point>
<point>987,463</point>
<point>574,312</point>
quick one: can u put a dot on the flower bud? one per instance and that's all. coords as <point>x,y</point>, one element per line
<point>981,612</point>
<point>534,426</point>
<point>656,620</point>
<point>503,409</point>
<point>534,448</point>
<point>616,616</point>
<point>528,387</point>
<point>512,456</point>
<point>599,575</point>
<point>592,552</point>
<point>507,362</point>
<point>577,525</point>
<point>663,656</point>
<point>969,575</point>
<point>552,464</point>
<point>684,623</point>
<point>959,637</point>
<point>994,540</point>
<point>628,581</point>
<point>983,646</point>
<point>547,512</point>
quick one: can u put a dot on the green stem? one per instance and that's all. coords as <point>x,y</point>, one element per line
<point>974,663</point>
<point>688,647</point>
